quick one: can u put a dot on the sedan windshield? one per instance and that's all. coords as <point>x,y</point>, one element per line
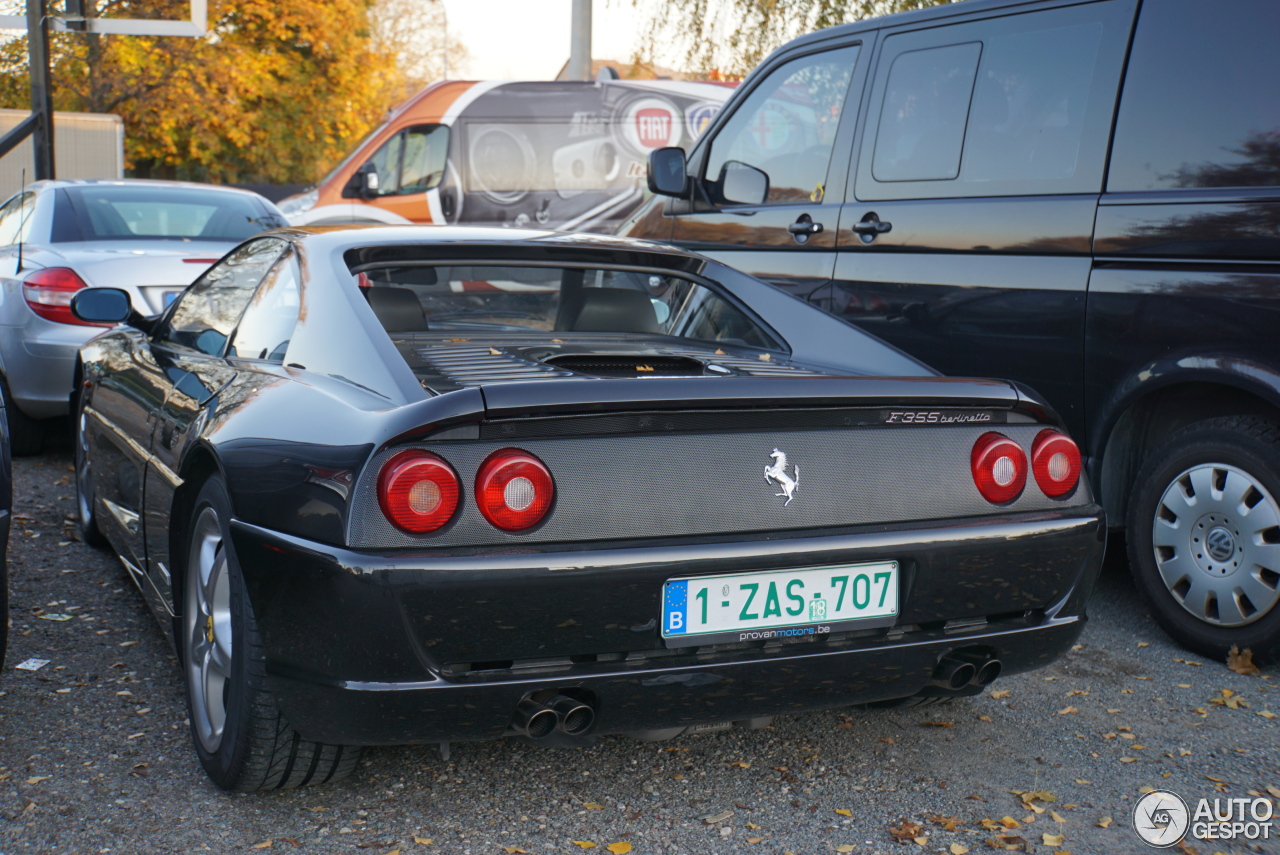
<point>555,299</point>
<point>151,212</point>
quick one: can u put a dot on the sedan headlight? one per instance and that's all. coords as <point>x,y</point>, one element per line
<point>300,203</point>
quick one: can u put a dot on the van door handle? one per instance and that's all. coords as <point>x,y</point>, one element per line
<point>804,227</point>
<point>870,226</point>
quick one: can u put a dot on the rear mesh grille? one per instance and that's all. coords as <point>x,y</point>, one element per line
<point>474,366</point>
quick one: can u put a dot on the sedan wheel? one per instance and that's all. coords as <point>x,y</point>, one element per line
<point>243,740</point>
<point>207,630</point>
<point>1204,536</point>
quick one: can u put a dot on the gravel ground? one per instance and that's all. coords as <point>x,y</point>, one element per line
<point>95,754</point>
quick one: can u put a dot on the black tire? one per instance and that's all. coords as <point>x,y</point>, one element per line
<point>255,749</point>
<point>1215,552</point>
<point>86,514</point>
<point>26,435</point>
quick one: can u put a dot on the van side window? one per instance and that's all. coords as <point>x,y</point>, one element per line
<point>1201,101</point>
<point>412,161</point>
<point>925,105</point>
<point>786,127</point>
<point>1014,105</point>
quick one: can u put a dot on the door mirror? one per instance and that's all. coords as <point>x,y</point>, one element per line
<point>743,184</point>
<point>363,184</point>
<point>101,305</point>
<point>667,173</point>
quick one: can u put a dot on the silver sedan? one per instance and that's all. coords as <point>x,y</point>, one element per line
<point>150,238</point>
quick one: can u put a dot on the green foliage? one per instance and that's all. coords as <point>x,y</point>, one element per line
<point>728,38</point>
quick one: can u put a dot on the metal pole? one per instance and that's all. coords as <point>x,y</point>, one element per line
<point>580,41</point>
<point>41,88</point>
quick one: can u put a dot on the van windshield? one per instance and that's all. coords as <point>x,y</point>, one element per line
<point>555,299</point>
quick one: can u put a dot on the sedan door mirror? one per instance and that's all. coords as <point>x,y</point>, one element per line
<point>667,172</point>
<point>743,184</point>
<point>101,305</point>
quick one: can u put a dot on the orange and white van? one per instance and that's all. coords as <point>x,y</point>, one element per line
<point>564,155</point>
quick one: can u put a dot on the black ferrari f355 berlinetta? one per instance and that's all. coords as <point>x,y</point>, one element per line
<point>416,484</point>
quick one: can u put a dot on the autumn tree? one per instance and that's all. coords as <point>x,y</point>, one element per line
<point>277,91</point>
<point>730,37</point>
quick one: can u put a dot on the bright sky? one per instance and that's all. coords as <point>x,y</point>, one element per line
<point>529,39</point>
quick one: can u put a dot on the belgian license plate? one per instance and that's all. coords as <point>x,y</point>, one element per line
<point>779,604</point>
<point>170,296</point>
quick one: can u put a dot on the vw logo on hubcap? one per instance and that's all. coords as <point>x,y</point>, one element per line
<point>1220,544</point>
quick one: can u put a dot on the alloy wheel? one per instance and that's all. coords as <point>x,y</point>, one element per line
<point>1216,536</point>
<point>207,625</point>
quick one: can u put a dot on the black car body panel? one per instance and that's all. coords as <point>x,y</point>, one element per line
<point>6,508</point>
<point>658,446</point>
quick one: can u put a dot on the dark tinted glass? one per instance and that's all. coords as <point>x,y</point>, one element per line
<point>272,314</point>
<point>208,311</point>
<point>925,104</point>
<point>1201,102</point>
<point>787,125</point>
<point>156,212</point>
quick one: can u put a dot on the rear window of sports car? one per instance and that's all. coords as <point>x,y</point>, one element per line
<point>556,299</point>
<point>114,212</point>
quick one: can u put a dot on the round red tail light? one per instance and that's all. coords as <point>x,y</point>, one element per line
<point>514,489</point>
<point>418,491</point>
<point>999,468</point>
<point>1055,460</point>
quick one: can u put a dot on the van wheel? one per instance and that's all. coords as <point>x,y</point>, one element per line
<point>26,435</point>
<point>1204,536</point>
<point>243,740</point>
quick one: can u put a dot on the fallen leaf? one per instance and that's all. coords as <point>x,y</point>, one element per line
<point>1267,714</point>
<point>712,819</point>
<point>1052,839</point>
<point>741,764</point>
<point>1003,693</point>
<point>845,847</point>
<point>905,831</point>
<point>764,357</point>
<point>1113,712</point>
<point>35,779</point>
<point>510,850</point>
<point>1082,782</point>
<point>397,851</point>
<point>984,718</point>
<point>266,844</point>
<point>129,643</point>
<point>619,848</point>
<point>1105,822</point>
<point>1275,791</point>
<point>584,844</point>
<point>957,849</point>
<point>948,823</point>
<point>1055,816</point>
<point>1128,759</point>
<point>423,841</point>
<point>1146,788</point>
<point>1144,644</point>
<point>844,812</point>
<point>754,840</point>
<point>1009,822</point>
<point>1068,711</point>
<point>937,724</point>
<point>593,806</point>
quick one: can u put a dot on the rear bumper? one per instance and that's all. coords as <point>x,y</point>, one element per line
<point>39,361</point>
<point>384,648</point>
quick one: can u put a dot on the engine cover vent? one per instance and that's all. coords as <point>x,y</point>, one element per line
<point>628,365</point>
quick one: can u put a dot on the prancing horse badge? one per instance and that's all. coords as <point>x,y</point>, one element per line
<point>777,473</point>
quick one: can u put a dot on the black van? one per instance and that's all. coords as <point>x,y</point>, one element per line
<point>1081,196</point>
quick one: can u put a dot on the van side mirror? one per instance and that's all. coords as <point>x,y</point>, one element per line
<point>666,172</point>
<point>363,184</point>
<point>101,305</point>
<point>743,184</point>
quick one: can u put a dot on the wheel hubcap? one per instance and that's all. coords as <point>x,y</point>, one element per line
<point>1217,544</point>
<point>207,621</point>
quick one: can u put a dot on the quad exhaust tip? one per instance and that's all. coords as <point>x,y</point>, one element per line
<point>540,719</point>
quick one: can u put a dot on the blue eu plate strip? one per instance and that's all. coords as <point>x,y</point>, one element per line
<point>675,612</point>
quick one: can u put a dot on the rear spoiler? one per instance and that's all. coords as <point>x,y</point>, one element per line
<point>532,398</point>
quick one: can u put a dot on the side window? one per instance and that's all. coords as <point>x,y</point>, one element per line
<point>386,164</point>
<point>269,319</point>
<point>926,102</point>
<point>426,148</point>
<point>1015,105</point>
<point>1201,102</point>
<point>786,127</point>
<point>15,218</point>
<point>412,161</point>
<point>207,312</point>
